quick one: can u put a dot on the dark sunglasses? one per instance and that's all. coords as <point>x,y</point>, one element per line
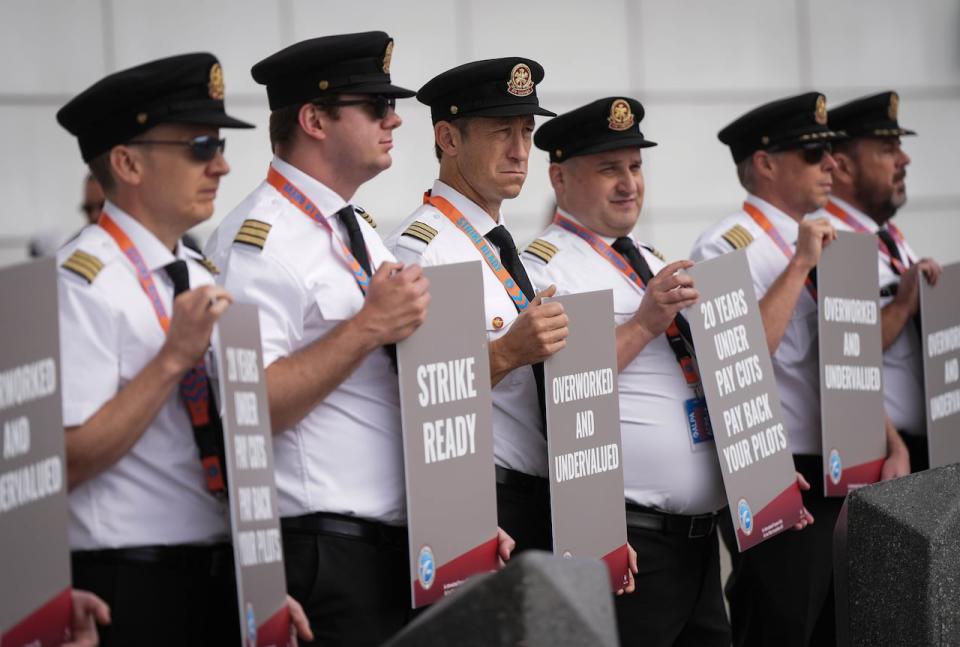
<point>203,148</point>
<point>814,155</point>
<point>379,104</point>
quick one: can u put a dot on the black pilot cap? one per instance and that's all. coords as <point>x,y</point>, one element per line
<point>185,89</point>
<point>606,124</point>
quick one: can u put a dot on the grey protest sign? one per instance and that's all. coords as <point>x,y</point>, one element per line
<point>940,319</point>
<point>447,415</point>
<point>254,524</point>
<point>851,363</point>
<point>34,560</point>
<point>743,401</point>
<point>583,437</point>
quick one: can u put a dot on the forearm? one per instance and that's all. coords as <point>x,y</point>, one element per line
<point>895,444</point>
<point>502,360</point>
<point>632,338</point>
<point>893,318</point>
<point>778,304</point>
<point>298,383</point>
<point>113,430</point>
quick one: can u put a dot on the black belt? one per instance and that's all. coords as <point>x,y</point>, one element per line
<point>526,483</point>
<point>215,558</point>
<point>692,526</point>
<point>329,523</point>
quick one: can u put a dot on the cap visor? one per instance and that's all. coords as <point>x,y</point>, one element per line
<point>510,110</point>
<point>219,119</point>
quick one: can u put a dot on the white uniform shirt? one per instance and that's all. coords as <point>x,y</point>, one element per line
<point>903,360</point>
<point>156,493</point>
<point>796,361</point>
<point>346,455</point>
<point>518,441</point>
<point>661,469</point>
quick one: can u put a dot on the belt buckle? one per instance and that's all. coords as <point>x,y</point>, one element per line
<point>697,524</point>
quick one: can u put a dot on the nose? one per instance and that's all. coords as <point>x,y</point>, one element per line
<point>218,165</point>
<point>904,158</point>
<point>519,146</point>
<point>392,120</point>
<point>828,163</point>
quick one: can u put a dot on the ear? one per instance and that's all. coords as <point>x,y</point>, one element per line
<point>557,178</point>
<point>313,121</point>
<point>447,137</point>
<point>763,164</point>
<point>127,165</point>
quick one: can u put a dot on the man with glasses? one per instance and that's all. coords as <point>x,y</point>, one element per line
<point>332,305</point>
<point>869,187</point>
<point>148,523</point>
<point>781,591</point>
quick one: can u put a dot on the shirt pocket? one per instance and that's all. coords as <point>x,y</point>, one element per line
<point>338,300</point>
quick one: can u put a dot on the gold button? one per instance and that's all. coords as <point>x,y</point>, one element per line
<point>324,85</point>
<point>454,110</point>
<point>142,118</point>
<point>558,153</point>
<point>764,140</point>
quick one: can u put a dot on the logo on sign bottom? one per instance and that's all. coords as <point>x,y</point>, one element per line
<point>745,515</point>
<point>836,466</point>
<point>251,627</point>
<point>426,567</point>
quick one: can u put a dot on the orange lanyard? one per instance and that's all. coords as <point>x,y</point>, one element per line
<point>771,231</point>
<point>841,215</point>
<point>460,222</point>
<point>298,198</point>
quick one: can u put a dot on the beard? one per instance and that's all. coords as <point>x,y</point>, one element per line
<point>882,203</point>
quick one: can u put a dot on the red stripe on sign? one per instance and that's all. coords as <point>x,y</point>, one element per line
<point>618,562</point>
<point>276,630</point>
<point>449,576</point>
<point>780,514</point>
<point>853,477</point>
<point>48,625</point>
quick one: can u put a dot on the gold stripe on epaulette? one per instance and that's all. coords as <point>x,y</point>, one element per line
<point>655,252</point>
<point>738,237</point>
<point>253,232</point>
<point>207,263</point>
<point>542,249</point>
<point>420,231</point>
<point>83,265</point>
<point>366,216</point>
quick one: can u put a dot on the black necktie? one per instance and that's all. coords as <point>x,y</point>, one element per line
<point>357,247</point>
<point>629,251</point>
<point>500,237</point>
<point>359,250</point>
<point>884,234</point>
<point>206,423</point>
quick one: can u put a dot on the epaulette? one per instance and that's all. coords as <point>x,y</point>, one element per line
<point>738,237</point>
<point>253,233</point>
<point>207,263</point>
<point>541,249</point>
<point>421,231</point>
<point>366,216</point>
<point>655,252</point>
<point>84,265</point>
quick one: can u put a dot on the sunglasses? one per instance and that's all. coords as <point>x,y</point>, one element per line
<point>379,104</point>
<point>203,148</point>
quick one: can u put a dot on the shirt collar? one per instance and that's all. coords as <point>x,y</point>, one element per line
<point>477,217</point>
<point>856,214</point>
<point>787,226</point>
<point>153,252</point>
<point>320,194</point>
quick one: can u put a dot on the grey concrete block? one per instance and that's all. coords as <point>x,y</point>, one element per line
<point>538,600</point>
<point>902,562</point>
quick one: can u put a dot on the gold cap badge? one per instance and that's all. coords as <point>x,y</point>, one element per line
<point>894,107</point>
<point>621,116</point>
<point>387,56</point>
<point>215,85</point>
<point>521,81</point>
<point>820,114</point>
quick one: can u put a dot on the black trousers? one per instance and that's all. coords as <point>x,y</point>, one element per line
<point>355,591</point>
<point>781,591</point>
<point>523,511</point>
<point>678,600</point>
<point>163,595</point>
<point>919,452</point>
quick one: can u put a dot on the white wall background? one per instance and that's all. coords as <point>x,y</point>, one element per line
<point>695,65</point>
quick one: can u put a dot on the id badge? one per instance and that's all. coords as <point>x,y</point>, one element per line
<point>698,422</point>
